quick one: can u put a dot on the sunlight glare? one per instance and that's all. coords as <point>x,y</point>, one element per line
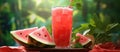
<point>37,2</point>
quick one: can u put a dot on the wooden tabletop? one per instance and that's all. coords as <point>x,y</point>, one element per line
<point>57,50</point>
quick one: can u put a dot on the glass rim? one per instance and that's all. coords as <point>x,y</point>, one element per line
<point>52,8</point>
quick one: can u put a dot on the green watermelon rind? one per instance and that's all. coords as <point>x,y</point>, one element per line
<point>33,41</point>
<point>83,43</point>
<point>22,43</point>
<point>41,41</point>
<point>17,38</point>
<point>89,40</point>
<point>31,35</point>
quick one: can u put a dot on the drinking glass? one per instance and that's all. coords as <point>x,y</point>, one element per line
<point>62,26</point>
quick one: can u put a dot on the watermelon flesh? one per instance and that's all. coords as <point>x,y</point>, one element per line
<point>105,47</point>
<point>12,49</point>
<point>22,35</point>
<point>42,36</point>
<point>83,40</point>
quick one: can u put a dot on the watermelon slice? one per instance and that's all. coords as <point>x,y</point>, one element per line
<point>40,37</point>
<point>105,47</point>
<point>12,49</point>
<point>83,40</point>
<point>21,36</point>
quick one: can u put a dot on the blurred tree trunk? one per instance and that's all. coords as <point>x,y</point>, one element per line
<point>17,14</point>
<point>98,7</point>
<point>5,23</point>
<point>84,10</point>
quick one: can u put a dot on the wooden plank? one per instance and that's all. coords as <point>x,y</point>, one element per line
<point>56,50</point>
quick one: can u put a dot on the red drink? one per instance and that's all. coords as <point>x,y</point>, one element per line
<point>62,26</point>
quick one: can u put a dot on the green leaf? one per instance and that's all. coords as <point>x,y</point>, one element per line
<point>81,28</point>
<point>78,45</point>
<point>76,4</point>
<point>111,26</point>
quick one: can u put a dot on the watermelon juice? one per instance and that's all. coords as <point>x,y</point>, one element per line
<point>62,26</point>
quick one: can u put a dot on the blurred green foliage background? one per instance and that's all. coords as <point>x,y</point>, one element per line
<point>101,16</point>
